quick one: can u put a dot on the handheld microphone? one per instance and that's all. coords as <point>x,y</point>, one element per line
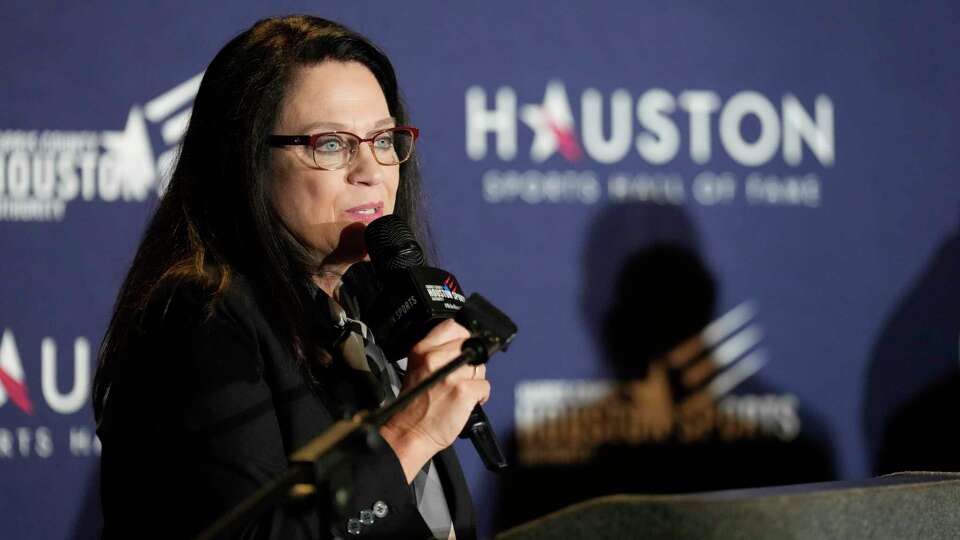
<point>414,299</point>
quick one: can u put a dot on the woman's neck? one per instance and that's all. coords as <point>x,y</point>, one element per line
<point>329,282</point>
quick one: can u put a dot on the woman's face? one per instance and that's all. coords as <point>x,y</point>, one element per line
<point>320,205</point>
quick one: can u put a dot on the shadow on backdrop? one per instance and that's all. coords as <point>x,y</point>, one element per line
<point>913,382</point>
<point>686,411</point>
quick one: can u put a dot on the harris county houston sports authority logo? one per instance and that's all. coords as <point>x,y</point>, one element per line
<point>659,128</point>
<point>42,171</point>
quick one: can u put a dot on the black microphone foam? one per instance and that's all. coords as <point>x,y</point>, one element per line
<point>391,245</point>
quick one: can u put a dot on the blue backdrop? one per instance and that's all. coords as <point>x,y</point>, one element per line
<point>798,155</point>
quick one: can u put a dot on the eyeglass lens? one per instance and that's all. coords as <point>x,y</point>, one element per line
<point>336,150</point>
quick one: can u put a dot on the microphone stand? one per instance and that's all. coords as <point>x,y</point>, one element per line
<point>313,462</point>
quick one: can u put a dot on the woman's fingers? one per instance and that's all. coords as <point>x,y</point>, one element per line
<point>479,392</point>
<point>438,347</point>
<point>445,332</point>
<point>433,421</point>
<point>469,373</point>
<point>441,356</point>
<point>430,360</point>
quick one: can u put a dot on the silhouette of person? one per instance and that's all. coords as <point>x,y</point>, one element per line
<point>913,382</point>
<point>663,428</point>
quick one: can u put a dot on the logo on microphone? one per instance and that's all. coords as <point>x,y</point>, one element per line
<point>450,285</point>
<point>445,292</point>
<point>45,170</point>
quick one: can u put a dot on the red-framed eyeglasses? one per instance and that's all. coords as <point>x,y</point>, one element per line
<point>334,150</point>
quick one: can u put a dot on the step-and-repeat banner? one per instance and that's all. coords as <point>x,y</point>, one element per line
<point>727,231</point>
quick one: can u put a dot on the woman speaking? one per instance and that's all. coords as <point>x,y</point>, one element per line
<point>235,340</point>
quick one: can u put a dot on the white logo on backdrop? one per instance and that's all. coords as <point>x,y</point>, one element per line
<point>615,127</point>
<point>42,171</point>
<point>41,441</point>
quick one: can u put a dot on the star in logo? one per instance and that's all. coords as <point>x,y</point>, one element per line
<point>552,125</point>
<point>131,154</point>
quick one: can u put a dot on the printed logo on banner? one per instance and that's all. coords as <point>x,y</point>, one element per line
<point>12,387</point>
<point>21,435</point>
<point>615,131</point>
<point>687,397</point>
<point>42,171</point>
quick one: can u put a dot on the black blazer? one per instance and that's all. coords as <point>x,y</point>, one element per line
<point>205,407</point>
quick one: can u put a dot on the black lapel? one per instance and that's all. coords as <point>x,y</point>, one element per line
<point>458,497</point>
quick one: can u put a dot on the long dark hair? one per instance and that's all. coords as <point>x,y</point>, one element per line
<point>216,216</point>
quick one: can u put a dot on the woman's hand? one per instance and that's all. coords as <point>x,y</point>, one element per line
<point>433,420</point>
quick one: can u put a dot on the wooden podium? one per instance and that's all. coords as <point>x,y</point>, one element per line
<point>909,505</point>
